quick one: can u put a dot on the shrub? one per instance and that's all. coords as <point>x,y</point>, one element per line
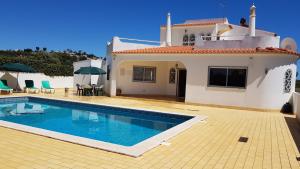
<point>51,64</point>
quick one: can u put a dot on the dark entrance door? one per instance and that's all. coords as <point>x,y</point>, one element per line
<point>181,83</point>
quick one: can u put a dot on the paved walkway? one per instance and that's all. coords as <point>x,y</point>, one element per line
<point>210,144</point>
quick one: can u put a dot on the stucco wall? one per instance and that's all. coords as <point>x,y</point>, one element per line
<point>296,105</point>
<point>88,79</point>
<point>236,33</point>
<point>262,91</point>
<point>55,81</point>
<point>264,83</point>
<point>160,87</point>
<point>179,32</point>
<point>118,44</point>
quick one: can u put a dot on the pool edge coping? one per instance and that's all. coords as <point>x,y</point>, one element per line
<point>134,151</point>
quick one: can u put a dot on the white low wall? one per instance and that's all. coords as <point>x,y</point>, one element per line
<point>87,79</point>
<point>118,45</point>
<point>296,105</point>
<point>18,79</point>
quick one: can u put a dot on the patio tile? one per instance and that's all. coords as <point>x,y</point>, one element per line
<point>210,144</point>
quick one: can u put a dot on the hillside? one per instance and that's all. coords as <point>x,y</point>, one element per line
<point>53,63</point>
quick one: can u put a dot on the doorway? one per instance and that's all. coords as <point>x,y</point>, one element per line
<point>181,83</point>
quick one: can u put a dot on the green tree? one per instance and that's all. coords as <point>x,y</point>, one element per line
<point>28,50</point>
<point>52,63</point>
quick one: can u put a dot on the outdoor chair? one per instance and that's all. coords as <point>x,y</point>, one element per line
<point>4,82</point>
<point>4,87</point>
<point>97,90</point>
<point>46,87</point>
<point>30,87</point>
<point>79,89</point>
<point>87,90</point>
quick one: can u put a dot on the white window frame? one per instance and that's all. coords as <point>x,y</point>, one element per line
<point>143,80</point>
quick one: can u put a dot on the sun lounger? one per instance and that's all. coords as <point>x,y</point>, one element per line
<point>4,87</point>
<point>46,87</point>
<point>30,87</point>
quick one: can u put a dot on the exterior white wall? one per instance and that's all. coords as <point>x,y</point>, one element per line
<point>118,45</point>
<point>88,79</point>
<point>236,33</point>
<point>239,32</point>
<point>179,32</point>
<point>247,42</point>
<point>263,91</point>
<point>13,79</point>
<point>160,87</point>
<point>296,105</point>
<point>86,63</point>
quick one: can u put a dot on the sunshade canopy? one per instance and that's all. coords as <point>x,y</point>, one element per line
<point>17,67</point>
<point>90,71</point>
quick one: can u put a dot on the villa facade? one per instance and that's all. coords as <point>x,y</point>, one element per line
<point>208,61</point>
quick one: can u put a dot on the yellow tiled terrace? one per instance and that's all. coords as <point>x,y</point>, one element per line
<point>274,141</point>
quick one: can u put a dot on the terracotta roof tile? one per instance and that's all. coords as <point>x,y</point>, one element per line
<point>194,50</point>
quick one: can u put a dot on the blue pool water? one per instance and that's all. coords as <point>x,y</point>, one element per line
<point>114,125</point>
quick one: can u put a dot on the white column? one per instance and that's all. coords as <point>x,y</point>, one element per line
<point>252,20</point>
<point>169,31</point>
<point>113,79</point>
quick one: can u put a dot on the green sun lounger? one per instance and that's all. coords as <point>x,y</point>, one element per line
<point>4,87</point>
<point>46,87</point>
<point>30,86</point>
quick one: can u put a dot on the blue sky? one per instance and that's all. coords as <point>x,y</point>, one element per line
<point>88,24</point>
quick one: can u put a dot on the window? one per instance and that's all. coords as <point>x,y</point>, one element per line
<point>217,76</point>
<point>227,77</point>
<point>236,77</point>
<point>288,81</point>
<point>203,36</point>
<point>172,76</point>
<point>108,72</point>
<point>144,74</point>
<point>185,40</point>
<point>192,40</point>
<point>208,36</point>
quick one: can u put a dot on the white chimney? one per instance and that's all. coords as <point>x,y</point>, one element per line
<point>252,20</point>
<point>169,31</point>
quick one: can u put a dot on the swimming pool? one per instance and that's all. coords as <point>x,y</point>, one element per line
<point>99,126</point>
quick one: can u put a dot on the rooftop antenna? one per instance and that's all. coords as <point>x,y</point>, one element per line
<point>289,44</point>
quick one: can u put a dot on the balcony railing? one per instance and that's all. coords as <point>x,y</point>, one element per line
<point>129,40</point>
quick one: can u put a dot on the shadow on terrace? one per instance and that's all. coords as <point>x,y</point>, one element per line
<point>294,128</point>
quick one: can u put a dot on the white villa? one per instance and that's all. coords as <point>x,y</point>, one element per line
<point>207,61</point>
